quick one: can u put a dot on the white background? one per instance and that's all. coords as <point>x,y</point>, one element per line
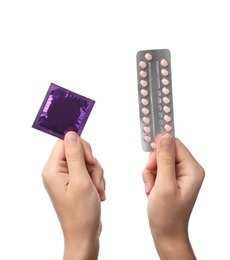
<point>90,48</point>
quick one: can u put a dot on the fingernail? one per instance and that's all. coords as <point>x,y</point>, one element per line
<point>166,141</point>
<point>71,137</point>
<point>102,184</point>
<point>102,192</point>
<point>103,196</point>
<point>146,189</point>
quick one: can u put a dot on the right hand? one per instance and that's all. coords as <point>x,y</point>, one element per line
<point>172,179</point>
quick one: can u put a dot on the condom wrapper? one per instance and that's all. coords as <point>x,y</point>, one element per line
<point>61,111</point>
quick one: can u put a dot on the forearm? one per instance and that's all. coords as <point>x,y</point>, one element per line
<point>174,248</point>
<point>85,251</point>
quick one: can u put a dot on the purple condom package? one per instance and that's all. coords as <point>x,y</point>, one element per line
<point>61,111</point>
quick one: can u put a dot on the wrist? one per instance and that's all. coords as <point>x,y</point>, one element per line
<point>174,247</point>
<point>81,250</point>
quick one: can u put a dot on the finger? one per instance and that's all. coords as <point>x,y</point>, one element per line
<point>149,172</point>
<point>88,152</point>
<point>97,176</point>
<point>74,154</point>
<point>151,165</point>
<point>165,153</point>
<point>95,170</point>
<point>185,157</point>
<point>182,152</point>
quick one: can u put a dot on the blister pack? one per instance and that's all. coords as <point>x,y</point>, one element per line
<point>62,110</point>
<point>155,96</point>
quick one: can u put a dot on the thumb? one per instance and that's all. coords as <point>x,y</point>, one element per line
<point>74,154</point>
<point>165,152</point>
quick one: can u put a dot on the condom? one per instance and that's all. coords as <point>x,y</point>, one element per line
<point>61,111</point>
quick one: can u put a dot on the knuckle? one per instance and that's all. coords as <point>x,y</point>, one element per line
<point>72,155</point>
<point>167,159</point>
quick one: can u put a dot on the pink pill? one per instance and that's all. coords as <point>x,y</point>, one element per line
<point>147,138</point>
<point>144,101</point>
<point>166,100</point>
<point>154,145</point>
<point>164,63</point>
<point>143,74</point>
<point>147,129</point>
<point>168,128</point>
<point>167,118</point>
<point>143,83</point>
<point>165,81</point>
<point>142,64</point>
<point>145,110</point>
<point>167,109</point>
<point>165,91</point>
<point>164,72</point>
<point>144,92</point>
<point>146,120</point>
<point>148,56</point>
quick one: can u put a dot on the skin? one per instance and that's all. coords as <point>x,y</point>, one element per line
<point>172,180</point>
<point>74,181</point>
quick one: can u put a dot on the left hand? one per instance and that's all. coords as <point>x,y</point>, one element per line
<point>74,181</point>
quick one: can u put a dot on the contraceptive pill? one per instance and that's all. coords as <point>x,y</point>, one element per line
<point>154,80</point>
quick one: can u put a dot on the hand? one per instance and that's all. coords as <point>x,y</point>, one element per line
<point>74,181</point>
<point>172,179</point>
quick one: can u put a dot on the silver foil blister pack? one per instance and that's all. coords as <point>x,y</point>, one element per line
<point>154,77</point>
